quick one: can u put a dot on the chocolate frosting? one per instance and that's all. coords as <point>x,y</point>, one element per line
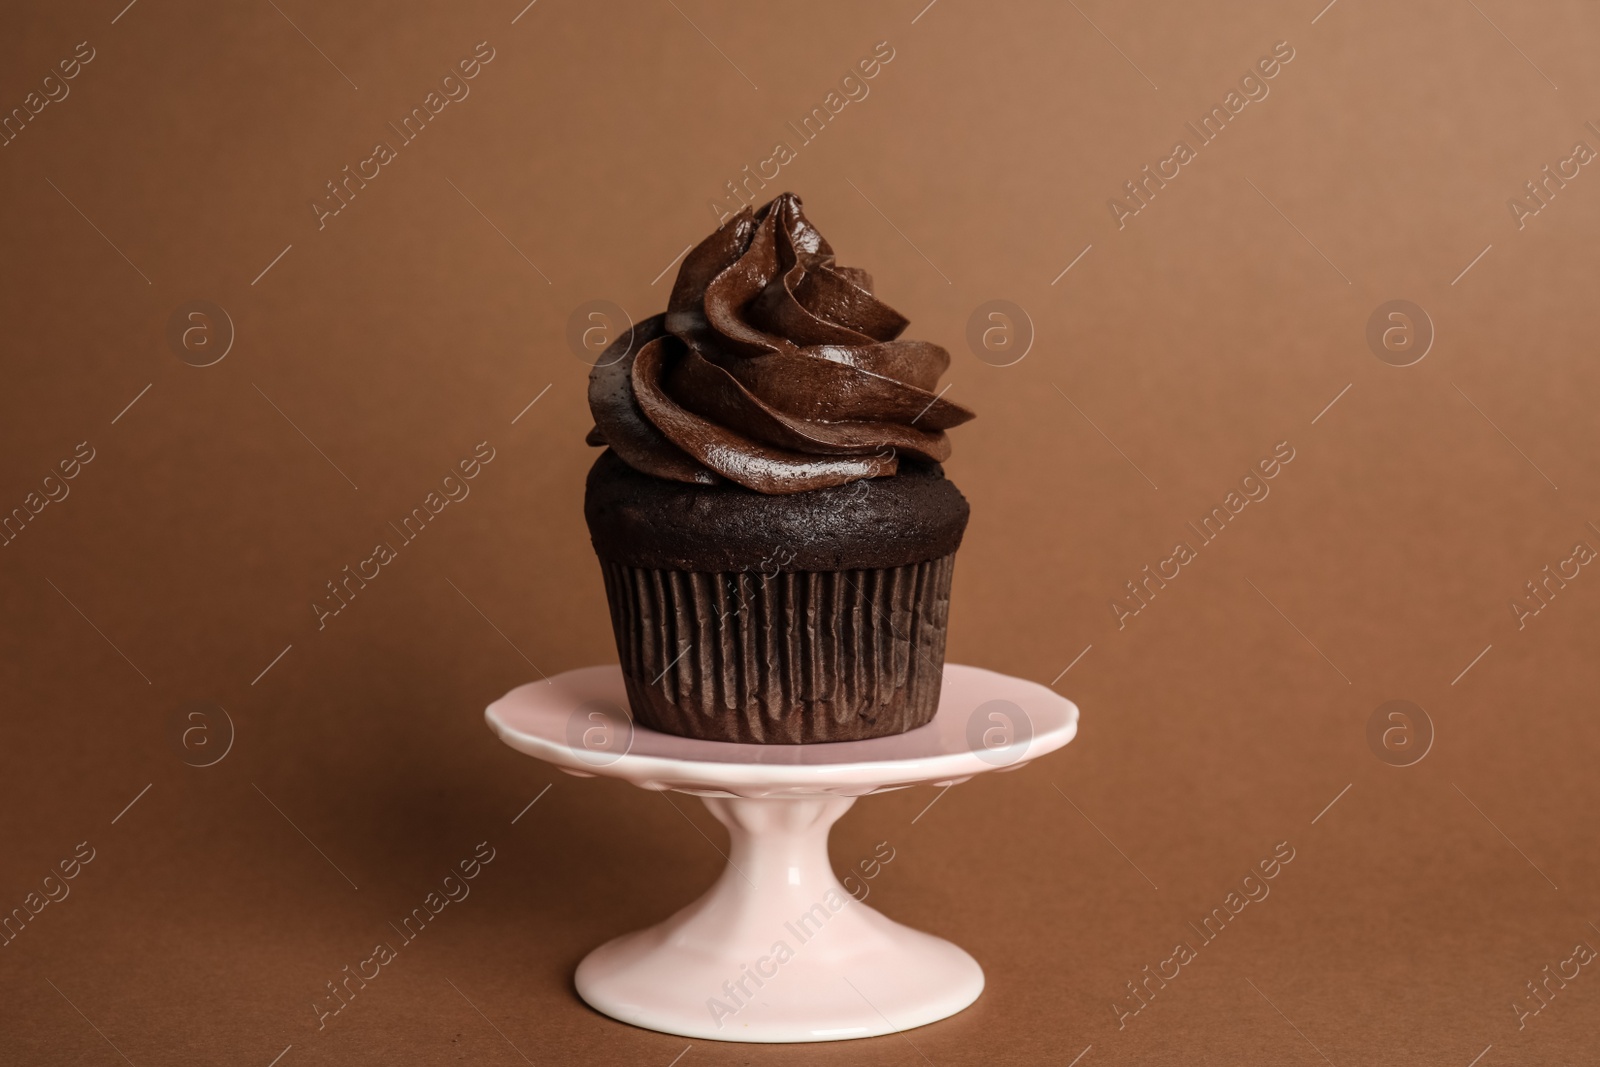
<point>773,368</point>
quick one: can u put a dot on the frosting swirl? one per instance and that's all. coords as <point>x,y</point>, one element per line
<point>773,367</point>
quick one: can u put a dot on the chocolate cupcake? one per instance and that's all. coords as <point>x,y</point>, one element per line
<point>776,533</point>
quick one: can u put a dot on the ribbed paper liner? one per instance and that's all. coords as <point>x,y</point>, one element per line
<point>788,658</point>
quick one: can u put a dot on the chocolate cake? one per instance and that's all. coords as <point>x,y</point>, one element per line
<point>776,534</point>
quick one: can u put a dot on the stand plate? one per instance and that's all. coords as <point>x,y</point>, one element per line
<point>778,950</point>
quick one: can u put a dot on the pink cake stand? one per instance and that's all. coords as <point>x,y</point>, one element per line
<point>777,949</point>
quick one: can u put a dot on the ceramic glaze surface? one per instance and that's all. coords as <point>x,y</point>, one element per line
<point>778,950</point>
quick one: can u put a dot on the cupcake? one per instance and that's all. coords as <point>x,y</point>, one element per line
<point>776,534</point>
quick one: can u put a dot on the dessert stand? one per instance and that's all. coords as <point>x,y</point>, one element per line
<point>778,950</point>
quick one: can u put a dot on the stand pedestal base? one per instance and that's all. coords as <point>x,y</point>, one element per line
<point>778,949</point>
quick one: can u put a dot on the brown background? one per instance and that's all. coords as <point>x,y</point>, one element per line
<point>406,331</point>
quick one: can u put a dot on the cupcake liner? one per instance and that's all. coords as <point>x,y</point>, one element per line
<point>792,657</point>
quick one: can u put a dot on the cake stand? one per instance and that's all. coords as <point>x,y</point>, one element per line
<point>778,950</point>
